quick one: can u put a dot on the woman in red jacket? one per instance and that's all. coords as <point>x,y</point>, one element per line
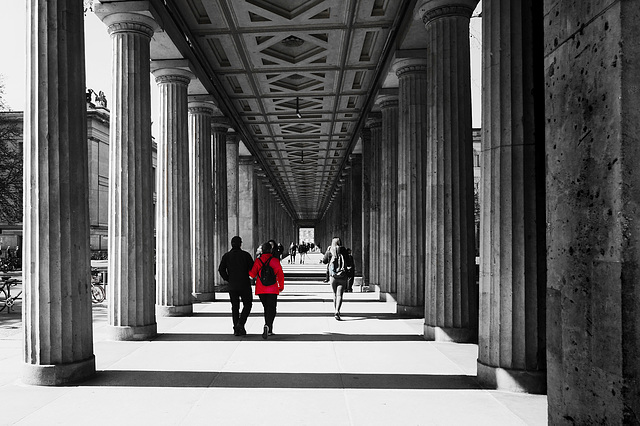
<point>268,294</point>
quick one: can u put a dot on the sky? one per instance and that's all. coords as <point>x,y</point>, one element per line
<point>98,57</point>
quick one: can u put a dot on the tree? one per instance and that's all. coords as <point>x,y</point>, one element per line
<point>10,164</point>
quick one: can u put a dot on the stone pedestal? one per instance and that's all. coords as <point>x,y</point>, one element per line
<point>593,211</point>
<point>204,267</point>
<point>511,338</point>
<point>387,99</point>
<point>131,289</point>
<point>450,290</point>
<point>173,231</point>
<point>222,242</point>
<point>56,301</point>
<point>233,184</point>
<point>412,139</point>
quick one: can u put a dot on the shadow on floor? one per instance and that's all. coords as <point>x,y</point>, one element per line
<point>191,379</point>
<point>326,337</point>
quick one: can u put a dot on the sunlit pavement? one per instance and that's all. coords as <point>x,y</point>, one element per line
<point>371,368</point>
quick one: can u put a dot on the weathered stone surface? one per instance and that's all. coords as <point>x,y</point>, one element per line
<point>173,229</point>
<point>365,136</point>
<point>131,289</point>
<point>58,337</point>
<point>412,148</point>
<point>222,244</point>
<point>512,270</point>
<point>356,211</point>
<point>451,293</point>
<point>204,266</point>
<point>374,123</point>
<point>233,143</point>
<point>593,210</point>
<point>247,205</point>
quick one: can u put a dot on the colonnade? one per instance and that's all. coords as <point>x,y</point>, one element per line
<point>557,289</point>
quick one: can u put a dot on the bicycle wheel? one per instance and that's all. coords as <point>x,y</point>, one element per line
<point>97,293</point>
<point>4,298</point>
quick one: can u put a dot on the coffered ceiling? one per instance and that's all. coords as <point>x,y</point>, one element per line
<point>297,76</point>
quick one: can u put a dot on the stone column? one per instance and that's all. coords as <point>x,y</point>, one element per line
<point>173,230</point>
<point>222,243</point>
<point>593,211</point>
<point>511,349</point>
<point>204,266</point>
<point>356,211</point>
<point>58,338</point>
<point>131,289</point>
<point>450,291</point>
<point>374,122</point>
<point>387,99</point>
<point>366,204</point>
<point>412,139</point>
<point>233,184</point>
<point>246,206</point>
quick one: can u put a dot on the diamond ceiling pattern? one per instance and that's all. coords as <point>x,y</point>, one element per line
<point>298,73</point>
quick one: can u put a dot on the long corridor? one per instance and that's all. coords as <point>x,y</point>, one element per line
<point>371,368</point>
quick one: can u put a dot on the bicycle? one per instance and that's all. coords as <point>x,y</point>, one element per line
<point>6,300</point>
<point>98,294</point>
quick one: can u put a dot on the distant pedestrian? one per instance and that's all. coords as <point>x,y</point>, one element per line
<point>234,268</point>
<point>269,283</point>
<point>351,271</point>
<point>293,248</point>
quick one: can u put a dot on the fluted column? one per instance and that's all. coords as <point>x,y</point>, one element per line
<point>173,230</point>
<point>412,140</point>
<point>246,205</point>
<point>365,136</point>
<point>511,349</point>
<point>374,122</point>
<point>58,338</point>
<point>131,289</point>
<point>387,99</point>
<point>204,267</point>
<point>450,290</point>
<point>356,211</point>
<point>233,183</point>
<point>222,243</point>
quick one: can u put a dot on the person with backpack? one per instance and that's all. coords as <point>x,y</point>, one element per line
<point>269,283</point>
<point>337,273</point>
<point>234,268</point>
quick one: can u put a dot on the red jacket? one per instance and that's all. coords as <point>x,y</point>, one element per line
<point>277,268</point>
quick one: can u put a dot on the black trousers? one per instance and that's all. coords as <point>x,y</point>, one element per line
<point>269,302</point>
<point>235,296</point>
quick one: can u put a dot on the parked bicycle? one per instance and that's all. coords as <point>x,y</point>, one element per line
<point>7,282</point>
<point>98,292</point>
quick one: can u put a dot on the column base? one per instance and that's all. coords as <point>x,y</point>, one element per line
<point>204,297</point>
<point>174,311</point>
<point>450,334</point>
<point>410,311</point>
<point>520,381</point>
<point>58,374</point>
<point>388,297</point>
<point>122,333</point>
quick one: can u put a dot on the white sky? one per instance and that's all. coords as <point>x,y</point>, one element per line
<point>98,57</point>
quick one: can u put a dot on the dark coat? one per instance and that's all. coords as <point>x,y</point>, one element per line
<point>234,268</point>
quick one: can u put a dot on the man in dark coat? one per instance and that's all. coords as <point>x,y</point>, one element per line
<point>234,268</point>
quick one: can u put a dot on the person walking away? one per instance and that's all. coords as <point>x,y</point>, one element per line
<point>337,274</point>
<point>351,271</point>
<point>269,283</point>
<point>234,268</point>
<point>293,248</point>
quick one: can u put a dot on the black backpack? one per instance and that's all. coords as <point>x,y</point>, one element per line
<point>338,266</point>
<point>267,275</point>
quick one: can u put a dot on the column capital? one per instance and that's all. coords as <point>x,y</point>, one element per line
<point>172,75</point>
<point>233,138</point>
<point>434,9</point>
<point>198,107</point>
<point>387,98</point>
<point>220,124</point>
<point>127,22</point>
<point>374,120</point>
<point>410,64</point>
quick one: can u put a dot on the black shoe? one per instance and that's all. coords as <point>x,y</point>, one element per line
<point>236,330</point>
<point>242,331</point>
<point>265,331</point>
<point>337,316</point>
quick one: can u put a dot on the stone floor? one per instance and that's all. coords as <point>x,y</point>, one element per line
<point>372,368</point>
